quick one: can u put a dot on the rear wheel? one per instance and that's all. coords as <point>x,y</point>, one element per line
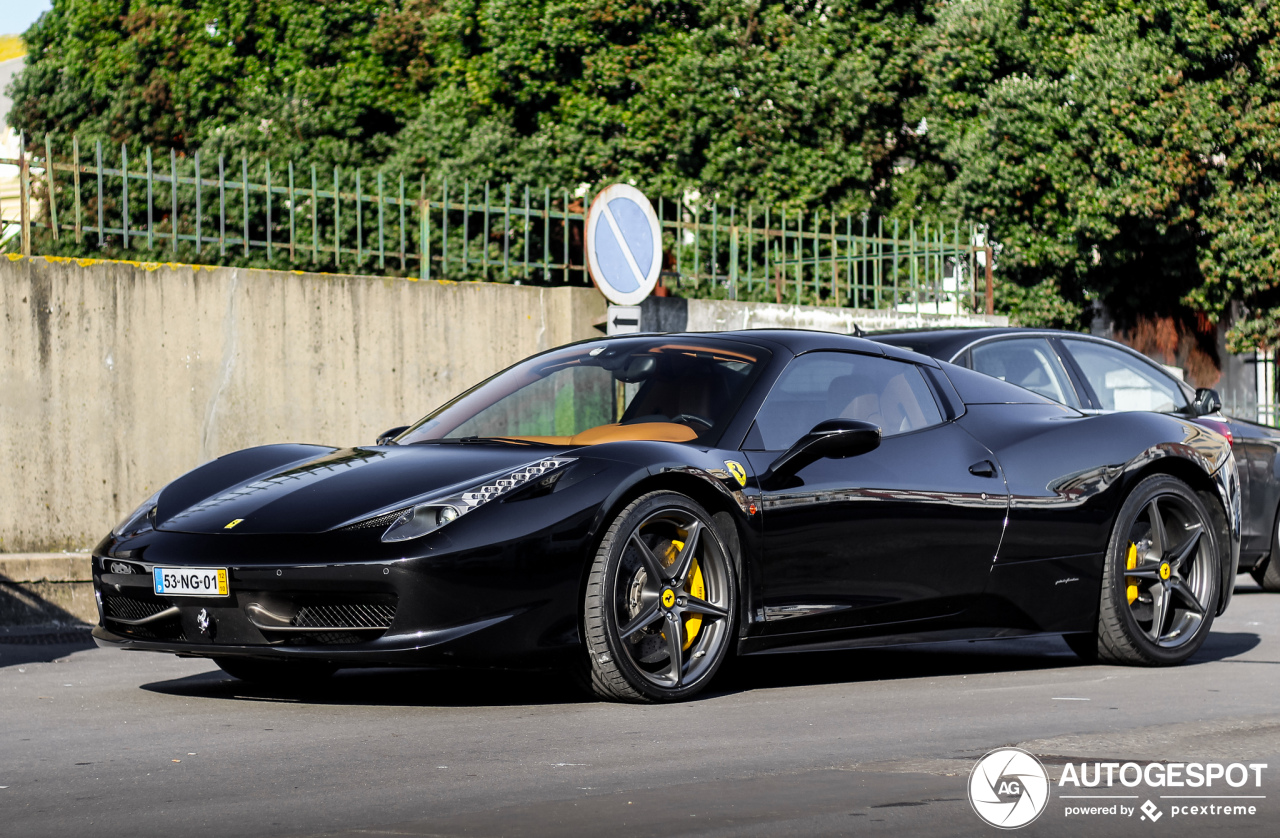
<point>1160,577</point>
<point>276,673</point>
<point>658,611</point>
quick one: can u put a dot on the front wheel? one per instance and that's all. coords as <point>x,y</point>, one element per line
<point>1160,577</point>
<point>659,605</point>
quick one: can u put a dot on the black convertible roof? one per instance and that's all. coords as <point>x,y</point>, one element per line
<point>799,341</point>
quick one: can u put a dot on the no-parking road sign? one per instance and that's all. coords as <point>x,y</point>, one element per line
<point>624,244</point>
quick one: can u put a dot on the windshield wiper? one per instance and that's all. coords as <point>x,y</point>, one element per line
<point>486,440</point>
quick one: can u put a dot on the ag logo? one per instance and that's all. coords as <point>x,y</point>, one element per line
<point>739,473</point>
<point>1008,788</point>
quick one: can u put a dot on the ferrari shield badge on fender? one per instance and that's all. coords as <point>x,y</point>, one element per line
<point>739,473</point>
<point>232,524</point>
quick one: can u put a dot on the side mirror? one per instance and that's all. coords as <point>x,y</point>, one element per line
<point>834,438</point>
<point>385,437</point>
<point>1207,401</point>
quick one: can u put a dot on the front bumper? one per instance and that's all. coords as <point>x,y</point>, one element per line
<point>494,592</point>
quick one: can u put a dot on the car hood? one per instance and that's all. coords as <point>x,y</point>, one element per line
<point>326,491</point>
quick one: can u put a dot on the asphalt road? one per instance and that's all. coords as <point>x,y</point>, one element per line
<point>107,743</point>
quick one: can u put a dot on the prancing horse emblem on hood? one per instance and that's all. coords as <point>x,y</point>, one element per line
<point>233,523</point>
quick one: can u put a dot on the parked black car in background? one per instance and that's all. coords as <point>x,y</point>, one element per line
<point>1097,375</point>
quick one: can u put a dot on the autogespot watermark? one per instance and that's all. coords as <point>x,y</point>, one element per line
<point>1009,788</point>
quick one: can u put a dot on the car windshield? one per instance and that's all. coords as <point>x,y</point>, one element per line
<point>653,388</point>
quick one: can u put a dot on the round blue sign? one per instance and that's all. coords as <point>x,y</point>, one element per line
<point>624,244</point>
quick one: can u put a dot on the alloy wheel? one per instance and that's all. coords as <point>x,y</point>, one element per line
<point>671,598</point>
<point>1168,571</point>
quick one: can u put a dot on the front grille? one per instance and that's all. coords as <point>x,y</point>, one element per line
<point>126,607</point>
<point>346,616</point>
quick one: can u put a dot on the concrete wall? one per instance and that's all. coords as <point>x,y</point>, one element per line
<point>117,377</point>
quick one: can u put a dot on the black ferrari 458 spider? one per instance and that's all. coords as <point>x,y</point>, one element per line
<point>634,509</point>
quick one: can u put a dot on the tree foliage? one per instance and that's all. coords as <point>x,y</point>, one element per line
<point>1127,149</point>
<point>795,102</point>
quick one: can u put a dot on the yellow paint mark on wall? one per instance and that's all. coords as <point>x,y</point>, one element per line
<point>154,266</point>
<point>11,46</point>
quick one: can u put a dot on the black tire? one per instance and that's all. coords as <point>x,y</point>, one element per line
<point>1267,574</point>
<point>659,607</point>
<point>276,673</point>
<point>1159,584</point>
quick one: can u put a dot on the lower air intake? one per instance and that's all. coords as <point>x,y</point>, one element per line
<point>345,616</point>
<point>132,608</point>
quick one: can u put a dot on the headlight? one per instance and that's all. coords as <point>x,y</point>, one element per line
<point>432,515</point>
<point>139,520</point>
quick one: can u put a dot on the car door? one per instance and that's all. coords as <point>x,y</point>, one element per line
<point>907,531</point>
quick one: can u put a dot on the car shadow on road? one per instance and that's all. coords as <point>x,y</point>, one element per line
<point>488,688</point>
<point>22,645</point>
<point>1220,645</point>
<point>392,687</point>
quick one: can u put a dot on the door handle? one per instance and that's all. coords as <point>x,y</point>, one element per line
<point>983,468</point>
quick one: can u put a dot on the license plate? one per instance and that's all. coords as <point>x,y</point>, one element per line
<point>190,581</point>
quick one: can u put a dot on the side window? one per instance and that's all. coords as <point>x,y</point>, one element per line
<point>1123,382</point>
<point>839,385</point>
<point>1029,363</point>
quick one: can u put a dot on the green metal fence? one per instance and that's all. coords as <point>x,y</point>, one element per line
<point>105,201</point>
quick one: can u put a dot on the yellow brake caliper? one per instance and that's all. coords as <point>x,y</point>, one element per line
<point>695,587</point>
<point>1131,561</point>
